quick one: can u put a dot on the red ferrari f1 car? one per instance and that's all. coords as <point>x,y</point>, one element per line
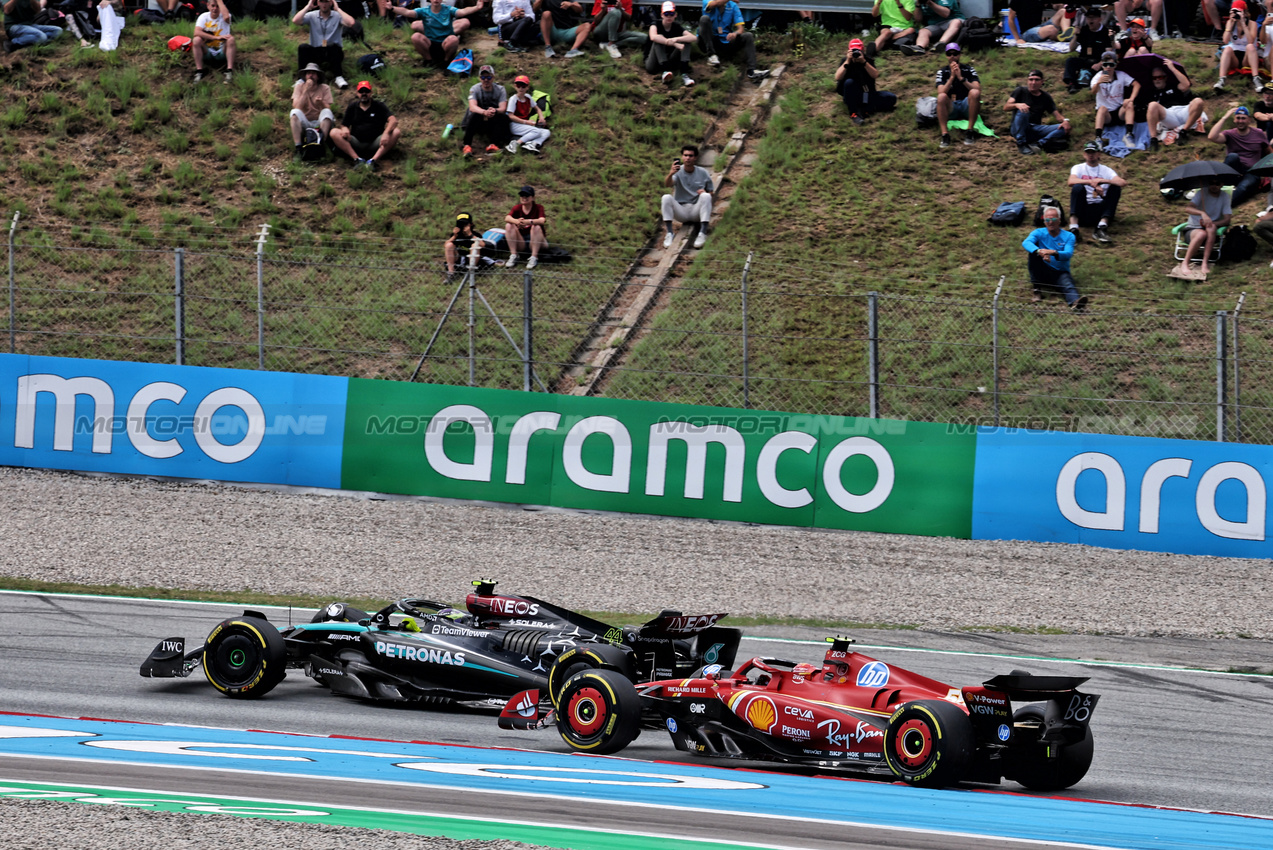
<point>853,713</point>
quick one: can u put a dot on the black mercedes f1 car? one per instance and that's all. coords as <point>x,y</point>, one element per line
<point>418,650</point>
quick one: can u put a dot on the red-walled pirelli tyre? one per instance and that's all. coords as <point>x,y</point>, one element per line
<point>599,712</point>
<point>600,656</point>
<point>929,743</point>
<point>1031,767</point>
<point>245,657</point>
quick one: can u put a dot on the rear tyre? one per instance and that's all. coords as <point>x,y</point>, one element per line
<point>929,743</point>
<point>245,658</point>
<point>1032,768</point>
<point>599,712</point>
<point>601,656</point>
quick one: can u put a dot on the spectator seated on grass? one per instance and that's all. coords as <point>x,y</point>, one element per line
<point>1241,47</point>
<point>326,23</point>
<point>435,32</point>
<point>855,83</point>
<point>526,121</point>
<point>1209,210</point>
<point>1089,42</point>
<point>20,25</point>
<point>723,32</point>
<point>1244,146</point>
<point>958,97</point>
<point>460,246</point>
<point>1264,220</point>
<point>1171,112</point>
<point>561,22</point>
<point>898,19</point>
<point>1116,94</point>
<point>1262,111</point>
<point>1094,193</point>
<point>1127,11</point>
<point>1030,105</point>
<point>691,197</point>
<point>670,46</point>
<point>1134,41</point>
<point>610,20</point>
<point>487,113</point>
<point>311,107</point>
<point>518,30</point>
<point>524,226</point>
<point>368,131</point>
<point>212,40</point>
<point>1049,250</point>
<point>942,21</point>
<point>1034,21</point>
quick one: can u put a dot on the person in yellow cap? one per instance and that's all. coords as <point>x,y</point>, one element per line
<point>460,245</point>
<point>526,121</point>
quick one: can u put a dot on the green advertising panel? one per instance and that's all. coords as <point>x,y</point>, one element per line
<point>654,458</point>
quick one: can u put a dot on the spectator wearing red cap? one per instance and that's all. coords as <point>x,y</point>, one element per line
<point>1124,10</point>
<point>1241,45</point>
<point>526,121</point>
<point>1244,146</point>
<point>368,131</point>
<point>670,47</point>
<point>958,96</point>
<point>1134,41</point>
<point>855,83</point>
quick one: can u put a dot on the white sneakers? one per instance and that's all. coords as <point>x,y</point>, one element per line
<point>667,240</point>
<point>667,78</point>
<point>687,80</point>
<point>701,239</point>
<point>713,59</point>
<point>549,53</point>
<point>613,49</point>
<point>531,263</point>
<point>510,262</point>
<point>511,147</point>
<point>340,83</point>
<point>571,54</point>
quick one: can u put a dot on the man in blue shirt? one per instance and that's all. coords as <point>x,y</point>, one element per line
<point>1050,249</point>
<point>436,33</point>
<point>721,31</point>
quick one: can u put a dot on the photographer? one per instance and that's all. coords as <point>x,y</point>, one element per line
<point>855,82</point>
<point>1241,46</point>
<point>459,246</point>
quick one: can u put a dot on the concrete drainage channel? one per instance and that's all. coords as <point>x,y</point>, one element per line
<point>635,298</point>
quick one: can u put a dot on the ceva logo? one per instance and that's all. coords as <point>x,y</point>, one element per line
<point>104,423</point>
<point>1113,517</point>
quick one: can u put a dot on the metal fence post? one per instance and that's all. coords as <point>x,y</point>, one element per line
<point>13,295</point>
<point>179,305</point>
<point>994,345</point>
<point>746,374</point>
<point>873,351</point>
<point>528,362</point>
<point>1221,359</point>
<point>1237,369</point>
<point>260,296</point>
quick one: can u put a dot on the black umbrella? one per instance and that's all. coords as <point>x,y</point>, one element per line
<point>1263,168</point>
<point>1195,175</point>
<point>1141,67</point>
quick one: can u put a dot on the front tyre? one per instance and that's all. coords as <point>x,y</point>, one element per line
<point>929,743</point>
<point>245,657</point>
<point>1032,768</point>
<point>599,712</point>
<point>592,656</point>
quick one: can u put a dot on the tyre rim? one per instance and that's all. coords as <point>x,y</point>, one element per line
<point>238,658</point>
<point>914,743</point>
<point>587,712</point>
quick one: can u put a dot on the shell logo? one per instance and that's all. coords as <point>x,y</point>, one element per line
<point>762,714</point>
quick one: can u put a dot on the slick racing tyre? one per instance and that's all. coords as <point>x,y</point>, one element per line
<point>598,656</point>
<point>1032,768</point>
<point>599,712</point>
<point>245,657</point>
<point>929,743</point>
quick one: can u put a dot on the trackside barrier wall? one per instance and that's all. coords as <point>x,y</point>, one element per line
<point>642,457</point>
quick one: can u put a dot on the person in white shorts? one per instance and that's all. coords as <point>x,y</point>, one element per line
<point>1241,45</point>
<point>212,39</point>
<point>1172,111</point>
<point>311,106</point>
<point>526,121</point>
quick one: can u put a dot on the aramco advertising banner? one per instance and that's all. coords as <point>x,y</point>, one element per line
<point>183,422</point>
<point>655,458</point>
<point>640,457</point>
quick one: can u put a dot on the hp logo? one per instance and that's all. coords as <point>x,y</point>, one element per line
<point>873,675</point>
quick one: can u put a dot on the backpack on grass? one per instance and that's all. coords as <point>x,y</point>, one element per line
<point>1008,214</point>
<point>926,112</point>
<point>312,147</point>
<point>977,34</point>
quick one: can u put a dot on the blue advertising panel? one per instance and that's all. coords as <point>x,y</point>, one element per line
<point>178,421</point>
<point>1180,496</point>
